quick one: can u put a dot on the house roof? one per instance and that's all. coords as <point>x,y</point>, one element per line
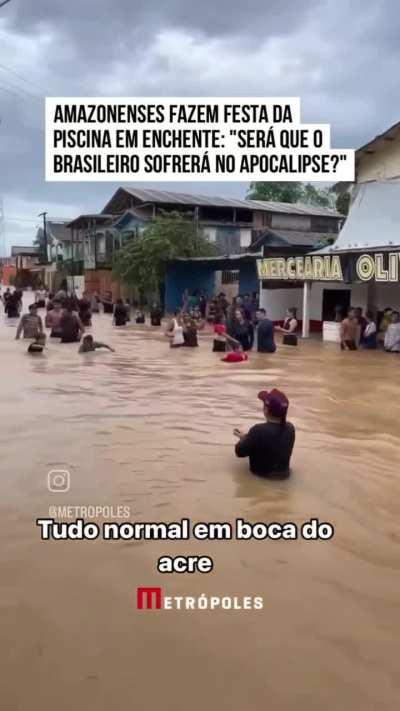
<point>24,251</point>
<point>132,212</point>
<point>58,230</point>
<point>290,238</point>
<point>83,220</point>
<point>163,197</point>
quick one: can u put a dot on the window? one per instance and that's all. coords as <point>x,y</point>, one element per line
<point>229,277</point>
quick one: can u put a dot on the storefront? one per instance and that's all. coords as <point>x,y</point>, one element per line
<point>321,285</point>
<point>362,268</point>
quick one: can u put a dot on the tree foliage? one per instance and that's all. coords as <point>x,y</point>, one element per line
<point>343,203</point>
<point>141,262</point>
<point>305,193</point>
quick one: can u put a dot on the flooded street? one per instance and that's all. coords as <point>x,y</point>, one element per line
<point>151,428</point>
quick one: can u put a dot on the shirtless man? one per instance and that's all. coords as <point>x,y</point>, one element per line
<point>350,332</point>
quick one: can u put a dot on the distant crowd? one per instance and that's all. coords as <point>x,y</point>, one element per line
<point>362,331</point>
<point>238,325</point>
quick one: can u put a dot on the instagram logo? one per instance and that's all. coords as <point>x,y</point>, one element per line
<point>58,480</point>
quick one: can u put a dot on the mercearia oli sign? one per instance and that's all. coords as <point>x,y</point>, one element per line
<point>365,267</point>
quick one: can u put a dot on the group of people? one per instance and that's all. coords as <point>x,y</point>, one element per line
<point>66,318</point>
<point>359,331</point>
<point>238,327</point>
<point>268,445</point>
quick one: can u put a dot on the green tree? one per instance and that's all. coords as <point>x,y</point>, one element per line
<point>275,192</point>
<point>141,262</point>
<point>291,192</point>
<point>343,203</point>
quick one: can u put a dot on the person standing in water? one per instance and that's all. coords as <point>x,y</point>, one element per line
<point>174,331</point>
<point>30,324</point>
<point>265,333</point>
<point>155,314</point>
<point>53,318</point>
<point>71,327</point>
<point>191,327</point>
<point>269,445</point>
<point>392,335</point>
<point>369,334</point>
<point>289,328</point>
<point>241,330</point>
<point>12,305</point>
<point>350,332</point>
<point>120,313</point>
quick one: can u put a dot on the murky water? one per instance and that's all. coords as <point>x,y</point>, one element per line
<point>151,428</point>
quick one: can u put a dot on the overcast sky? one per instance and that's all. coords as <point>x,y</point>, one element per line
<point>340,56</point>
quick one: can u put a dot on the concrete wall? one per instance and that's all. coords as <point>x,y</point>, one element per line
<point>276,301</point>
<point>384,163</point>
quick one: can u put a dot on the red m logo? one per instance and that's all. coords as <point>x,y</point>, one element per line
<point>148,594</point>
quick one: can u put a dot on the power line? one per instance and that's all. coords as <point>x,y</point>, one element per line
<point>19,219</point>
<point>17,75</point>
<point>4,2</point>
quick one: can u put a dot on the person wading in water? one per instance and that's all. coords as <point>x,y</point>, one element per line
<point>30,324</point>
<point>241,330</point>
<point>269,445</point>
<point>174,331</point>
<point>71,327</point>
<point>120,313</point>
<point>350,332</point>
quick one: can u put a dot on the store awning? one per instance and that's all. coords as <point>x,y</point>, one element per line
<point>373,223</point>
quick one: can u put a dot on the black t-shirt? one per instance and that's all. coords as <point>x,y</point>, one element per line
<point>69,328</point>
<point>269,447</point>
<point>242,332</point>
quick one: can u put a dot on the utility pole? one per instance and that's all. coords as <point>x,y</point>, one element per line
<point>44,215</point>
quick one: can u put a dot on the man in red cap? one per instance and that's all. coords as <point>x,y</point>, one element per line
<point>269,445</point>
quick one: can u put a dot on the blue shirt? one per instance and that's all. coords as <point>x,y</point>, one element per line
<point>265,336</point>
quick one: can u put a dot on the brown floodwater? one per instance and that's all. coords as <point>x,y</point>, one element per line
<point>151,428</point>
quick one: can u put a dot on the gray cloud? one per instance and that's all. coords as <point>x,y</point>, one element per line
<point>340,56</point>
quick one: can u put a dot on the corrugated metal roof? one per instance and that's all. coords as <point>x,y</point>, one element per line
<point>26,251</point>
<point>291,238</point>
<point>218,258</point>
<point>82,219</point>
<point>196,200</point>
<point>295,238</point>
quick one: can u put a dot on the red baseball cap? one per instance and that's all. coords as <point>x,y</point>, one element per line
<point>276,403</point>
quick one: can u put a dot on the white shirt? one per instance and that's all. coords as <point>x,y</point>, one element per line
<point>177,334</point>
<point>392,337</point>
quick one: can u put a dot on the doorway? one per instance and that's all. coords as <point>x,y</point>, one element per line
<point>335,302</point>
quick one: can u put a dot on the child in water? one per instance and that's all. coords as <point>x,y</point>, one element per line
<point>38,344</point>
<point>89,345</point>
